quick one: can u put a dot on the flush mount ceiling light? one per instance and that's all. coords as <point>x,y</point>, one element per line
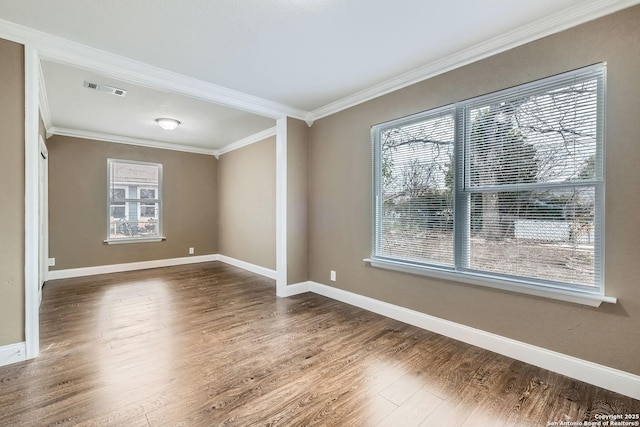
<point>167,124</point>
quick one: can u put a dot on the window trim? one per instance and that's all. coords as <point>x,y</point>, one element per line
<point>471,278</point>
<point>132,239</point>
<point>460,271</point>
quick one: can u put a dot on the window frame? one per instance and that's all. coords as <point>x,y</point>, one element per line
<point>142,238</point>
<point>460,271</point>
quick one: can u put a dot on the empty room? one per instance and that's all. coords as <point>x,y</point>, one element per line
<point>320,212</point>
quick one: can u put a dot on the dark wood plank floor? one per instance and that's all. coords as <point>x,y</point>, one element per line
<point>211,345</point>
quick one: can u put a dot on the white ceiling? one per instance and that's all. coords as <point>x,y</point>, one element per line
<point>299,54</point>
<point>203,125</point>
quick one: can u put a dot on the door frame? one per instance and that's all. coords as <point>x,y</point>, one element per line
<point>32,201</point>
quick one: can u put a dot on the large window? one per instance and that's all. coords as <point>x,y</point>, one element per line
<point>135,204</point>
<point>506,187</point>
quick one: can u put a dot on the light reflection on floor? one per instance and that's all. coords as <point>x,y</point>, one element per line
<point>135,319</point>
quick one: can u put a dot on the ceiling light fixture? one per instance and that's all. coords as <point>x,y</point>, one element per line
<point>167,123</point>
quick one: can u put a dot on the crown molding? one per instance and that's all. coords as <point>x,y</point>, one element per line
<point>96,136</point>
<point>568,18</point>
<point>74,54</point>
<point>118,139</point>
<point>251,139</point>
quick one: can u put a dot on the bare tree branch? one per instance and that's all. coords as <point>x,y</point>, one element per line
<point>561,131</point>
<point>415,140</point>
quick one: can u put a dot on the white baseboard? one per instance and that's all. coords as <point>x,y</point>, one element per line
<point>142,265</point>
<point>263,271</point>
<point>13,353</point>
<point>589,372</point>
<point>131,266</point>
<point>297,288</point>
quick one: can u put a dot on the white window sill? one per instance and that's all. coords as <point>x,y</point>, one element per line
<point>593,300</point>
<point>134,240</point>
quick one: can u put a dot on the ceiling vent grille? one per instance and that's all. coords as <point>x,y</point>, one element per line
<point>105,88</point>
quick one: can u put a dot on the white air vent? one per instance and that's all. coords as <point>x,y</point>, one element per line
<point>104,88</point>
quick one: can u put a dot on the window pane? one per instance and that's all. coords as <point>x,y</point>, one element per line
<point>545,235</point>
<point>118,194</point>
<point>118,210</point>
<point>148,210</point>
<point>147,193</point>
<point>415,221</point>
<point>542,137</point>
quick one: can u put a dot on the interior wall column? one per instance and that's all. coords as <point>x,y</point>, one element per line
<point>281,206</point>
<point>32,199</point>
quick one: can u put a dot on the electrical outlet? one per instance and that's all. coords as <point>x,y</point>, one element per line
<point>51,262</point>
<point>333,276</point>
<point>191,251</point>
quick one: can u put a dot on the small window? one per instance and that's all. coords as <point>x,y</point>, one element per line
<point>505,187</point>
<point>135,203</point>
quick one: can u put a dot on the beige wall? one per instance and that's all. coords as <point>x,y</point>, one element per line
<point>247,204</point>
<point>341,199</point>
<point>11,192</point>
<point>78,197</point>
<point>297,201</point>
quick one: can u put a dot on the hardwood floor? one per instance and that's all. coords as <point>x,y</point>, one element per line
<point>211,345</point>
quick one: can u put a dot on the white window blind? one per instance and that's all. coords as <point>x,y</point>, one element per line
<point>507,185</point>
